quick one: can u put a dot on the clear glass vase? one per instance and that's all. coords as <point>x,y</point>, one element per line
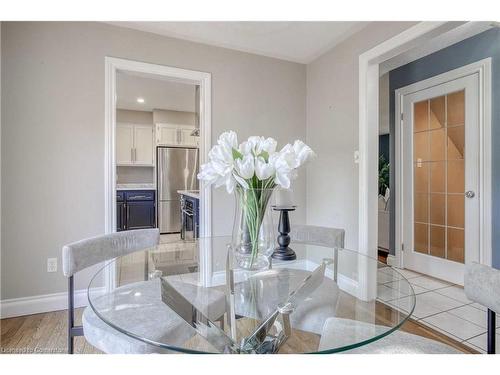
<point>254,235</point>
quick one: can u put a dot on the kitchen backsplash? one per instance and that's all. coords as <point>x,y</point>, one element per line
<point>135,175</point>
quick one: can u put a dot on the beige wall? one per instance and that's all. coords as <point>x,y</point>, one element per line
<point>383,102</point>
<point>52,167</point>
<point>332,129</point>
<point>156,116</point>
<point>173,117</point>
<point>136,117</point>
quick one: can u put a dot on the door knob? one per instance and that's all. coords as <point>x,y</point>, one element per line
<point>470,194</point>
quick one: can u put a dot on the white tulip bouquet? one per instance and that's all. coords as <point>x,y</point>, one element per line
<point>254,163</point>
<point>254,168</point>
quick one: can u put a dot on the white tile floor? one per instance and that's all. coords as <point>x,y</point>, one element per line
<point>439,305</point>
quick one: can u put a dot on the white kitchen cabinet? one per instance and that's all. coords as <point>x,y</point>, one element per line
<point>134,145</point>
<point>143,145</point>
<point>167,135</point>
<point>175,135</point>
<point>187,139</point>
<point>124,144</point>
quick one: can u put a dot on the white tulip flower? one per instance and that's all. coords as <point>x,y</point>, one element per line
<point>208,173</point>
<point>250,145</point>
<point>246,166</point>
<point>263,170</point>
<point>288,156</point>
<point>228,140</point>
<point>268,145</point>
<point>303,152</point>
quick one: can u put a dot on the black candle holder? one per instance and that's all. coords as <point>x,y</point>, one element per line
<point>283,252</point>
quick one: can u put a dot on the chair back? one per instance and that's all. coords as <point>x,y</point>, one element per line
<point>482,285</point>
<point>322,236</point>
<point>85,253</point>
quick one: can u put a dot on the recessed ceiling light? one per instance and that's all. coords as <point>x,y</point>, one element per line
<point>140,100</point>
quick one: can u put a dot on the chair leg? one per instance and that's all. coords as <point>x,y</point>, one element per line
<point>491,331</point>
<point>71,315</point>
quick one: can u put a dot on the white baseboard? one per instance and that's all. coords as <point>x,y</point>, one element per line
<point>43,303</point>
<point>345,283</point>
<point>391,260</point>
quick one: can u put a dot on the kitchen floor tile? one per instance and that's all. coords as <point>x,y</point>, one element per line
<point>169,238</point>
<point>436,328</point>
<point>429,303</point>
<point>480,342</point>
<point>385,293</point>
<point>384,268</point>
<point>458,327</point>
<point>470,313</point>
<point>408,274</point>
<point>385,277</point>
<point>429,283</point>
<point>403,287</point>
<point>479,306</point>
<point>455,292</point>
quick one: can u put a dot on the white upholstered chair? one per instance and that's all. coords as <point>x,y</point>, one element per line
<point>337,330</point>
<point>316,235</point>
<point>482,285</point>
<point>85,253</point>
<point>82,254</point>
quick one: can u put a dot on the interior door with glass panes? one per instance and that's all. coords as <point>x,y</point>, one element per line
<point>440,178</point>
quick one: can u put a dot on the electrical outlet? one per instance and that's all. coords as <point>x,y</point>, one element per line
<point>51,264</point>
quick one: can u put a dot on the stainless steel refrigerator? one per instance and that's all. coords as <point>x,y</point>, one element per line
<point>176,169</point>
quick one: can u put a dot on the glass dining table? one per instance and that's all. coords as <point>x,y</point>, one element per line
<point>192,297</point>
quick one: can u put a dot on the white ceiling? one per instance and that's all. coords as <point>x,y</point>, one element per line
<point>300,42</point>
<point>157,93</point>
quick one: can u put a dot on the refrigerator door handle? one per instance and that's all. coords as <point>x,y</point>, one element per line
<point>159,171</point>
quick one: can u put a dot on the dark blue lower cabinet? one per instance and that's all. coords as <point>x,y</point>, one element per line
<point>120,216</point>
<point>135,210</point>
<point>140,215</point>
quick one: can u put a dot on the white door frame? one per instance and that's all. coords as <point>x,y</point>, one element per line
<point>204,80</point>
<point>483,69</point>
<point>369,62</point>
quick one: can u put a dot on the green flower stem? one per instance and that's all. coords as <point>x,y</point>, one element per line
<point>254,202</point>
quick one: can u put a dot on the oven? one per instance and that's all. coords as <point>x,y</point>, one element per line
<point>189,218</point>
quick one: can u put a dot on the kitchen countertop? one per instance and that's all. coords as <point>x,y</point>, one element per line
<point>135,187</point>
<point>190,193</point>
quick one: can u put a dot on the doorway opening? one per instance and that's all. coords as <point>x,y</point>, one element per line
<point>158,132</point>
<point>440,167</point>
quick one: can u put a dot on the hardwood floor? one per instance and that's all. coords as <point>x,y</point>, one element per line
<point>41,333</point>
<point>46,333</point>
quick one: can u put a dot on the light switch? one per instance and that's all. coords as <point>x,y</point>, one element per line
<point>356,157</point>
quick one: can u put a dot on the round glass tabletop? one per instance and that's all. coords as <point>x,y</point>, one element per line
<point>192,297</point>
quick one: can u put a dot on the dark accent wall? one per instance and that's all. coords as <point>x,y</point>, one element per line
<point>478,47</point>
<point>383,146</point>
